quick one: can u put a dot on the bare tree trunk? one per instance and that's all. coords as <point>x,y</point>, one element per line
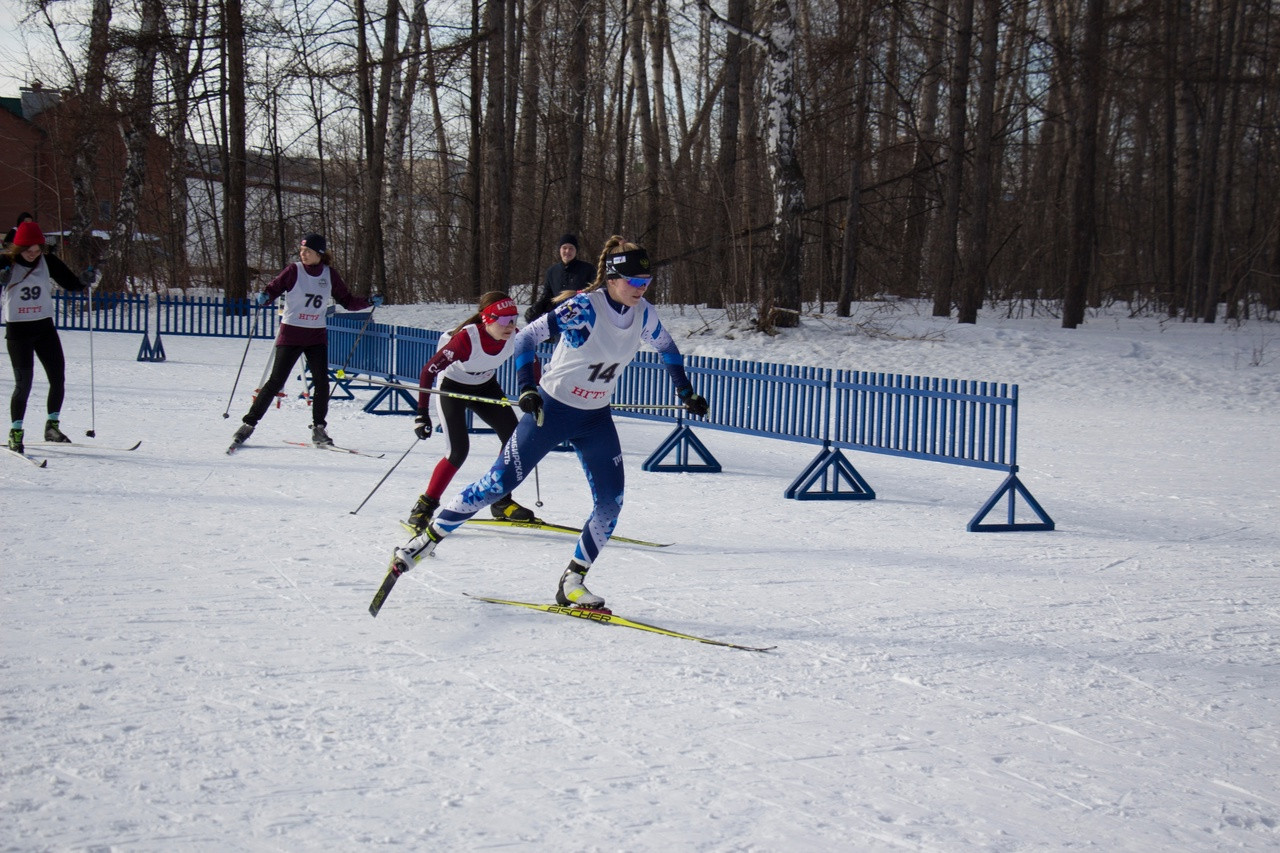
<point>497,166</point>
<point>84,160</point>
<point>727,155</point>
<point>1211,192</point>
<point>924,169</point>
<point>974,280</point>
<point>956,118</point>
<point>788,178</point>
<point>136,127</point>
<point>644,114</point>
<point>235,271</point>
<point>861,109</point>
<point>399,215</point>
<point>1084,215</point>
<point>475,152</point>
<point>575,132</point>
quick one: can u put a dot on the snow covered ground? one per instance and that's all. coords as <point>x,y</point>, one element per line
<point>188,662</point>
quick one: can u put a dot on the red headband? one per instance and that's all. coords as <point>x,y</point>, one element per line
<point>501,308</point>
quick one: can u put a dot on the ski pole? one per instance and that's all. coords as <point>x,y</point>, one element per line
<point>253,330</point>
<point>342,371</point>
<point>501,401</point>
<point>660,406</point>
<point>386,475</point>
<point>92,431</point>
<point>537,486</point>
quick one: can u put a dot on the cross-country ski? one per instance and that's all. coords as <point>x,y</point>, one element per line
<point>607,617</point>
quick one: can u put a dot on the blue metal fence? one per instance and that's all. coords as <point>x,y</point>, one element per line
<point>215,316</point>
<point>112,312</point>
<point>955,421</point>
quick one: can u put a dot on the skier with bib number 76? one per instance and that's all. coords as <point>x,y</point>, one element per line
<point>307,285</point>
<point>601,329</point>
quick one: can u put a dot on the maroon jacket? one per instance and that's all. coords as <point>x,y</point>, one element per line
<point>297,336</point>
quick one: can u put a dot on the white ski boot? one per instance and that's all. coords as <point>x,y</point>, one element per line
<point>572,592</point>
<point>417,549</point>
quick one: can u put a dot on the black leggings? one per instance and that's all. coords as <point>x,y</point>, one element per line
<point>454,414</point>
<point>317,356</point>
<point>24,348</point>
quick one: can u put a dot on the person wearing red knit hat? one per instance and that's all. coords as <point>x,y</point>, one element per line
<point>28,275</point>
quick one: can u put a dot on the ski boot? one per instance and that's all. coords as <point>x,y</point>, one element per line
<point>319,437</point>
<point>421,513</point>
<point>52,433</point>
<point>572,593</point>
<point>415,550</point>
<point>506,508</point>
<point>242,433</point>
<point>15,440</point>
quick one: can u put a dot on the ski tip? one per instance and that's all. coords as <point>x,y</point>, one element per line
<point>44,463</point>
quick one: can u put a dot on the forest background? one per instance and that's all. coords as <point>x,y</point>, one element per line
<point>771,154</point>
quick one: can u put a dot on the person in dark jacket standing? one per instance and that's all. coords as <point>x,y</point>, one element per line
<point>28,275</point>
<point>22,217</point>
<point>571,273</point>
<point>307,286</point>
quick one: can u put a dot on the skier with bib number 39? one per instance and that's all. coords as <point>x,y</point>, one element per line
<point>601,329</point>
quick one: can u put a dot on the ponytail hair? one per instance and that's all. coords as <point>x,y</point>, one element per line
<point>485,301</point>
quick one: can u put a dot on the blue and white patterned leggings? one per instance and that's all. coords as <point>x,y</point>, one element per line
<point>595,438</point>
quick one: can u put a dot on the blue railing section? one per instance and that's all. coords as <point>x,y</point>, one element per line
<point>215,316</point>
<point>112,312</point>
<point>955,421</point>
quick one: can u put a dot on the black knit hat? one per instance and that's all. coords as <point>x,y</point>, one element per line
<point>567,238</point>
<point>314,242</point>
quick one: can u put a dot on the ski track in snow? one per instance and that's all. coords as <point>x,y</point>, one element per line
<point>188,661</point>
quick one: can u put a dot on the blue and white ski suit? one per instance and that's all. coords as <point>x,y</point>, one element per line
<point>598,339</point>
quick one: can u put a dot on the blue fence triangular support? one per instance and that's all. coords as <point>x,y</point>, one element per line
<point>1012,487</point>
<point>387,402</point>
<point>147,352</point>
<point>824,477</point>
<point>339,389</point>
<point>681,442</point>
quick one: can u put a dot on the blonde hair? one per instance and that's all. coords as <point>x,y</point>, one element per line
<point>615,244</point>
<point>485,301</point>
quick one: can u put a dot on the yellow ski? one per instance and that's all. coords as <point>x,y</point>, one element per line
<point>604,617</point>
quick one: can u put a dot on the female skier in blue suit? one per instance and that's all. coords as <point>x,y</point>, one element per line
<point>601,329</point>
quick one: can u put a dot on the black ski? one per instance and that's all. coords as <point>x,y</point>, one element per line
<point>606,617</point>
<point>39,463</point>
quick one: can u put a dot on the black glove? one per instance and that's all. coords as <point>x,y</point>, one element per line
<point>694,402</point>
<point>530,402</point>
<point>423,421</point>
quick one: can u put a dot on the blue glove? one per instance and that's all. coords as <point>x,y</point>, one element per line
<point>694,402</point>
<point>260,299</point>
<point>375,301</point>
